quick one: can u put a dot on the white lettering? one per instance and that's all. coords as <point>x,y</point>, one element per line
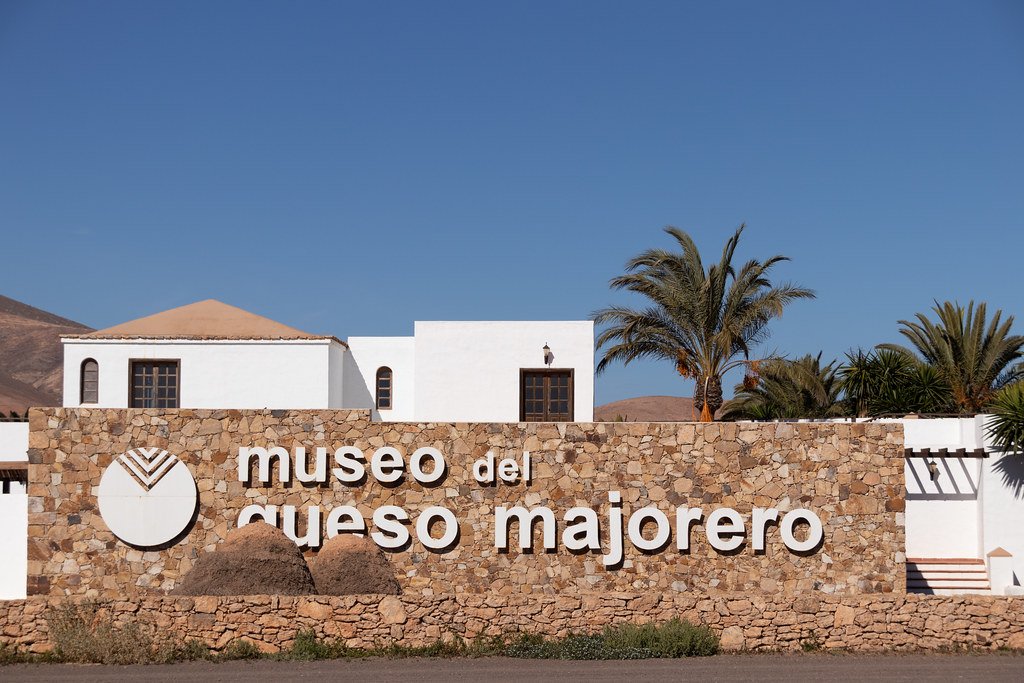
<point>483,469</point>
<point>815,533</point>
<point>504,516</point>
<point>319,473</point>
<point>267,513</point>
<point>387,465</point>
<point>416,465</point>
<point>761,519</point>
<point>727,523</point>
<point>581,535</point>
<point>636,525</point>
<point>350,463</point>
<point>311,538</point>
<point>390,519</point>
<point>263,456</point>
<point>451,528</point>
<point>614,556</point>
<point>345,519</point>
<point>685,519</point>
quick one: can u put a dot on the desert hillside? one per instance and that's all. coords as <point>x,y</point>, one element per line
<point>647,409</point>
<point>31,372</point>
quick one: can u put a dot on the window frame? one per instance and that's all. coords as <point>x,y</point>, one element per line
<point>390,389</point>
<point>547,372</point>
<point>154,361</point>
<point>81,382</point>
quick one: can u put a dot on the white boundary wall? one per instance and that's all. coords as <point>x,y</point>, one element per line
<point>974,506</point>
<point>13,545</point>
<point>13,515</point>
<point>13,442</point>
<point>943,514</point>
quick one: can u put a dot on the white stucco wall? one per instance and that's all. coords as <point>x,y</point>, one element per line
<point>13,442</point>
<point>1002,507</point>
<point>975,506</point>
<point>336,354</point>
<point>469,371</point>
<point>942,516</point>
<point>366,355</point>
<point>13,545</point>
<point>214,373</point>
<point>13,515</point>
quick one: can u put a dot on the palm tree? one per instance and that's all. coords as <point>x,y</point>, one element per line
<point>705,322</point>
<point>973,358</point>
<point>789,389</point>
<point>883,382</point>
<point>1006,428</point>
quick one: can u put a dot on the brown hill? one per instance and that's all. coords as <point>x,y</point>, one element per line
<point>31,357</point>
<point>647,409</point>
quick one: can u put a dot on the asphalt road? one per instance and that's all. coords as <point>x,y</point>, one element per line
<point>760,667</point>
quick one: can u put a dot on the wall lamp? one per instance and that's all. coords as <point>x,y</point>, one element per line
<point>933,470</point>
<point>548,356</point>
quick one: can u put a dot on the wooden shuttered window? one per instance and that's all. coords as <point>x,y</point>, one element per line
<point>89,384</point>
<point>385,388</point>
<point>154,384</point>
<point>546,396</point>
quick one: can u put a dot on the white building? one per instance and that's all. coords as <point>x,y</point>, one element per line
<point>964,509</point>
<point>211,355</point>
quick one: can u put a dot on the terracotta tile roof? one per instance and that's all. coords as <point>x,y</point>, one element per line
<point>203,320</point>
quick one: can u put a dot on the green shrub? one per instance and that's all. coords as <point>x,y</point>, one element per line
<point>307,647</point>
<point>812,644</point>
<point>240,649</point>
<point>190,651</point>
<point>455,647</point>
<point>81,635</point>
<point>675,638</point>
<point>9,654</point>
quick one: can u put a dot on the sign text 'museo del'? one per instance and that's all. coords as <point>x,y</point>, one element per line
<point>436,528</point>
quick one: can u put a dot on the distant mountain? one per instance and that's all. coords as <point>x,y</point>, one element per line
<point>31,357</point>
<point>647,409</point>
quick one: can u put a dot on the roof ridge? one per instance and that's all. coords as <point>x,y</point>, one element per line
<point>206,319</point>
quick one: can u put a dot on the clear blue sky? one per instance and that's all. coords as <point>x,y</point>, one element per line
<point>348,167</point>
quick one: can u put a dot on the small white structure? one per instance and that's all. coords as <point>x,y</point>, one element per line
<point>13,509</point>
<point>964,508</point>
<point>211,355</point>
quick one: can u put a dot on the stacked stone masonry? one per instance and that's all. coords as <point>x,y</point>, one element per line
<point>857,623</point>
<point>850,475</point>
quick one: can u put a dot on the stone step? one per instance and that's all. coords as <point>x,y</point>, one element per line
<point>950,590</point>
<point>947,575</point>
<point>947,567</point>
<point>945,560</point>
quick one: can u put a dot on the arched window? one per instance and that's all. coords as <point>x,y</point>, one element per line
<point>89,382</point>
<point>384,388</point>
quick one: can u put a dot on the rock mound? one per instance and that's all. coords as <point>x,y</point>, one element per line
<point>257,559</point>
<point>348,564</point>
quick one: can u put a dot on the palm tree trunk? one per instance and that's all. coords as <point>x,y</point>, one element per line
<point>708,393</point>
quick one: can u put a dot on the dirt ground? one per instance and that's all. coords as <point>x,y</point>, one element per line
<point>766,667</point>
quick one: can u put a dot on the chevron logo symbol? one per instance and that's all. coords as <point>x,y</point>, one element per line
<point>148,497</point>
<point>147,465</point>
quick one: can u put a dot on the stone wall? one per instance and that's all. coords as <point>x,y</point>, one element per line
<point>859,623</point>
<point>850,475</point>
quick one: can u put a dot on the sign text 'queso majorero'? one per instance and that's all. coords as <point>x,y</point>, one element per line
<point>436,528</point>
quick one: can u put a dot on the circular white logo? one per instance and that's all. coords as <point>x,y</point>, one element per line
<point>147,497</point>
